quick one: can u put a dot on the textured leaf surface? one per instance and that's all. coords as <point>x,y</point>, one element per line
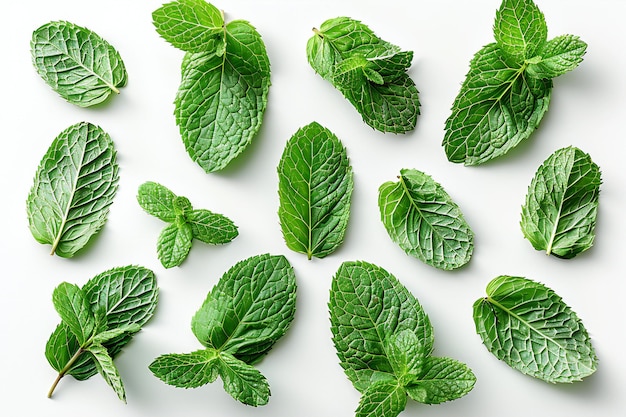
<point>406,355</point>
<point>366,305</point>
<point>443,379</point>
<point>157,200</point>
<point>221,100</point>
<point>249,309</point>
<point>528,326</point>
<point>520,29</point>
<point>174,244</point>
<point>73,307</point>
<point>77,63</point>
<point>74,186</point>
<point>106,368</point>
<point>558,56</point>
<point>559,215</point>
<point>424,221</point>
<point>382,399</point>
<point>186,370</point>
<point>314,186</point>
<point>242,381</point>
<point>211,228</point>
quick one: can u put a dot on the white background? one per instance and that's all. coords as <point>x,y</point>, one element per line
<point>587,110</point>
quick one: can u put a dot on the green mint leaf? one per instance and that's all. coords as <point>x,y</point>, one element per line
<point>73,188</point>
<point>366,305</point>
<point>520,29</point>
<point>78,64</point>
<point>314,187</point>
<point>558,56</point>
<point>529,327</point>
<point>211,228</point>
<point>497,107</point>
<point>559,215</point>
<point>73,307</point>
<point>174,244</point>
<point>222,97</point>
<point>157,200</point>
<point>187,370</point>
<point>424,221</point>
<point>382,399</point>
<point>190,25</point>
<point>242,381</point>
<point>368,71</point>
<point>249,309</point>
<point>443,379</point>
<point>406,355</point>
<point>109,335</point>
<point>106,368</point>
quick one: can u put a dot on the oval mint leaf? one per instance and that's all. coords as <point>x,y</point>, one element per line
<point>559,215</point>
<point>424,221</point>
<point>77,63</point>
<point>73,189</point>
<point>314,186</point>
<point>529,327</point>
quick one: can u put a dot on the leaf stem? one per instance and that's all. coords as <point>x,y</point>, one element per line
<point>65,370</point>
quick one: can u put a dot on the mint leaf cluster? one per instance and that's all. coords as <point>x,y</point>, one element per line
<point>225,80</point>
<point>371,73</point>
<point>243,316</point>
<point>185,223</point>
<point>507,89</point>
<point>384,341</point>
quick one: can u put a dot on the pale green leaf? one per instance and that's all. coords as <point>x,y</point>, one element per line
<point>529,327</point>
<point>424,221</point>
<point>212,228</point>
<point>314,187</point>
<point>406,355</point>
<point>382,399</point>
<point>187,370</point>
<point>74,186</point>
<point>77,63</point>
<point>111,334</point>
<point>157,200</point>
<point>242,381</point>
<point>174,244</point>
<point>520,29</point>
<point>443,379</point>
<point>558,56</point>
<point>106,367</point>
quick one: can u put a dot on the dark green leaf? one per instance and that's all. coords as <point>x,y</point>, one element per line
<point>520,29</point>
<point>382,399</point>
<point>443,379</point>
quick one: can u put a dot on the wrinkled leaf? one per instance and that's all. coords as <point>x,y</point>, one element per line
<point>443,379</point>
<point>243,382</point>
<point>187,370</point>
<point>382,399</point>
<point>520,29</point>
<point>174,244</point>
<point>106,368</point>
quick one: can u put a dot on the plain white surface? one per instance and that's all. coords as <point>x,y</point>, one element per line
<point>587,111</point>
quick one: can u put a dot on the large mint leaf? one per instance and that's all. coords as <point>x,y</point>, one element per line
<point>73,188</point>
<point>367,304</point>
<point>222,97</point>
<point>314,186</point>
<point>249,309</point>
<point>559,215</point>
<point>424,221</point>
<point>557,56</point>
<point>77,63</point>
<point>528,326</point>
<point>186,370</point>
<point>520,29</point>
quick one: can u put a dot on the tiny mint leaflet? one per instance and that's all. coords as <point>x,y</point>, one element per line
<point>370,72</point>
<point>184,223</point>
<point>508,86</point>
<point>424,221</point>
<point>529,327</point>
<point>314,188</point>
<point>242,317</point>
<point>73,188</point>
<point>98,320</point>
<point>384,341</point>
<point>559,215</point>
<point>78,64</point>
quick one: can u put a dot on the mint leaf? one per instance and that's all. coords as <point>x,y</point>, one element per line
<point>520,29</point>
<point>530,328</point>
<point>368,71</point>
<point>559,215</point>
<point>107,369</point>
<point>443,379</point>
<point>190,25</point>
<point>314,186</point>
<point>242,381</point>
<point>187,370</point>
<point>424,221</point>
<point>224,85</point>
<point>382,398</point>
<point>74,186</point>
<point>558,56</point>
<point>185,223</point>
<point>73,307</point>
<point>77,63</point>
<point>406,355</point>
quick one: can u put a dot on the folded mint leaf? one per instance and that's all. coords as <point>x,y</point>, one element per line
<point>529,327</point>
<point>73,189</point>
<point>314,188</point>
<point>557,56</point>
<point>382,398</point>
<point>211,228</point>
<point>559,215</point>
<point>174,244</point>
<point>73,307</point>
<point>242,381</point>
<point>443,379</point>
<point>106,368</point>
<point>190,25</point>
<point>157,201</point>
<point>520,29</point>
<point>187,370</point>
<point>77,63</point>
<point>422,219</point>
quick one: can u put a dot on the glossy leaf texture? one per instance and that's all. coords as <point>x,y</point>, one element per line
<point>529,327</point>
<point>314,187</point>
<point>371,73</point>
<point>520,29</point>
<point>73,188</point>
<point>77,63</point>
<point>123,298</point>
<point>422,219</point>
<point>559,215</point>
